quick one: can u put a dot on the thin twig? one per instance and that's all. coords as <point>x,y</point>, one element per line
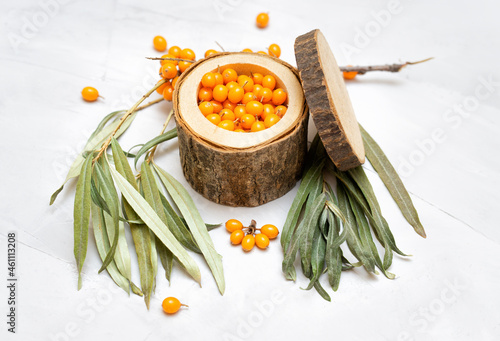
<point>150,104</point>
<point>361,70</point>
<point>125,116</point>
<point>151,153</point>
<point>219,45</point>
<point>176,59</point>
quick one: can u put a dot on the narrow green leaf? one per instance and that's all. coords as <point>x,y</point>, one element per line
<point>81,216</point>
<point>196,225</point>
<point>333,255</point>
<point>166,258</point>
<point>155,141</point>
<point>392,181</point>
<point>105,121</point>
<point>322,291</point>
<point>317,258</point>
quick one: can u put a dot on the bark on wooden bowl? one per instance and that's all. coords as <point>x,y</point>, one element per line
<point>241,169</point>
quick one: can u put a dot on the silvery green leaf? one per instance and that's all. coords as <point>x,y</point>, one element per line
<point>155,141</point>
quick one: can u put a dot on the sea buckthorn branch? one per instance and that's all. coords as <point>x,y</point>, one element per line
<point>151,153</point>
<point>361,70</point>
<point>174,59</point>
<point>125,116</point>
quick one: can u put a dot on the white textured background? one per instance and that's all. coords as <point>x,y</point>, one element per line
<point>438,122</point>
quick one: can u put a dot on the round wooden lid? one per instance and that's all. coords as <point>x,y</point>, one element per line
<point>328,101</point>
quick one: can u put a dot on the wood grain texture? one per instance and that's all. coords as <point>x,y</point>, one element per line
<point>328,101</point>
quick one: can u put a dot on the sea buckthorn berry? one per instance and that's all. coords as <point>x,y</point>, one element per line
<point>271,120</point>
<point>236,237</point>
<point>231,85</point>
<point>265,95</point>
<point>214,118</point>
<point>236,94</point>
<point>257,78</point>
<point>269,230</point>
<point>246,83</point>
<point>159,43</point>
<point>208,80</point>
<point>247,120</point>
<point>217,106</point>
<point>205,94</point>
<point>228,105</point>
<point>90,94</point>
<point>279,96</point>
<point>350,74</point>
<point>239,111</point>
<point>248,97</point>
<point>168,70</point>
<point>274,50</point>
<point>280,110</point>
<point>247,50</point>
<point>183,66</point>
<point>257,88</point>
<point>269,82</point>
<point>219,80</point>
<point>227,114</point>
<point>174,81</point>
<point>206,108</point>
<point>175,51</point>
<point>233,225</point>
<point>262,20</point>
<point>268,109</point>
<point>239,130</point>
<point>171,305</point>
<point>168,91</point>
<point>188,54</point>
<point>229,75</point>
<point>262,52</point>
<point>257,126</point>
<point>210,52</point>
<point>161,88</point>
<point>254,108</point>
<point>220,93</point>
<point>248,242</point>
<point>167,60</point>
<point>262,241</point>
<point>226,124</point>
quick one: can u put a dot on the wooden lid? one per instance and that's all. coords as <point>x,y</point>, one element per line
<point>328,101</point>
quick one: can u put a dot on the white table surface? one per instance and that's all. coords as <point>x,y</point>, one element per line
<point>448,290</point>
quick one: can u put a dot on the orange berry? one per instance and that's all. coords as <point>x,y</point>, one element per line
<point>175,51</point>
<point>174,81</point>
<point>257,88</point>
<point>268,109</point>
<point>229,75</point>
<point>168,91</point>
<point>214,118</point>
<point>279,96</point>
<point>233,225</point>
<point>257,126</point>
<point>206,108</point>
<point>271,120</point>
<point>254,108</point>
<point>265,95</point>
<point>227,114</point>
<point>262,20</point>
<point>159,43</point>
<point>262,52</point>
<point>239,111</point>
<point>274,50</point>
<point>171,305</point>
<point>269,82</point>
<point>248,97</point>
<point>350,74</point>
<point>90,94</point>
<point>262,241</point>
<point>236,237</point>
<point>247,50</point>
<point>226,124</point>
<point>269,230</point>
<point>188,54</point>
<point>248,242</point>
<point>280,110</point>
<point>217,106</point>
<point>232,85</point>
<point>168,61</point>
<point>245,82</point>
<point>161,88</point>
<point>183,66</point>
<point>247,120</point>
<point>205,94</point>
<point>236,94</point>
<point>208,80</point>
<point>228,105</point>
<point>257,78</point>
<point>219,80</point>
<point>210,52</point>
<point>168,70</point>
<point>239,130</point>
<point>220,93</point>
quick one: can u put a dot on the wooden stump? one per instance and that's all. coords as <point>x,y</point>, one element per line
<point>241,169</point>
